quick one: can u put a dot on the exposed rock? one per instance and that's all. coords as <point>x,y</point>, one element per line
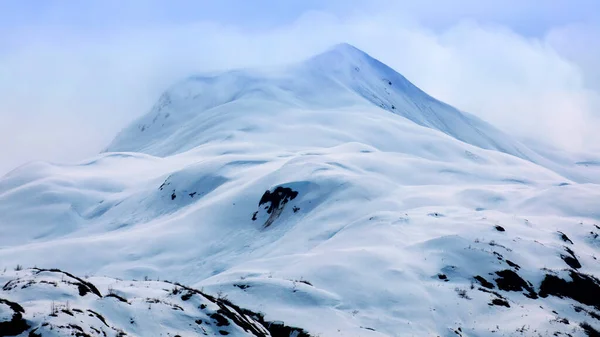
<point>511,281</point>
<point>582,288</point>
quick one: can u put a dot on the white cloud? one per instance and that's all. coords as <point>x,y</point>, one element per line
<point>64,95</point>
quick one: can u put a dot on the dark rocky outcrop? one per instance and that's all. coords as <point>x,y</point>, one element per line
<point>564,237</point>
<point>17,325</point>
<point>276,199</point>
<point>251,322</point>
<point>274,202</point>
<point>83,286</point>
<point>582,288</point>
<point>508,280</point>
<point>570,259</point>
<point>512,264</point>
<point>484,282</point>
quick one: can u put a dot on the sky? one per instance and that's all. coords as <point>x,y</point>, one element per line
<point>74,73</point>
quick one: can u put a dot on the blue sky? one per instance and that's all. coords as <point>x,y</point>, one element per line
<point>73,73</point>
<point>531,17</point>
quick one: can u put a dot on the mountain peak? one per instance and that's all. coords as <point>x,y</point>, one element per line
<point>339,55</point>
<point>345,47</point>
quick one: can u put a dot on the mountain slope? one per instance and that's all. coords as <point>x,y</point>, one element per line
<point>295,194</point>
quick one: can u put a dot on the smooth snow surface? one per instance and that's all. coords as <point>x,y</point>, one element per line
<point>396,214</point>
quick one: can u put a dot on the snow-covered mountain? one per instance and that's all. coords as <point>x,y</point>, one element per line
<point>329,198</point>
<point>202,109</point>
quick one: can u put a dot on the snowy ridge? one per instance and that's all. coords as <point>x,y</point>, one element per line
<point>51,302</point>
<point>344,202</point>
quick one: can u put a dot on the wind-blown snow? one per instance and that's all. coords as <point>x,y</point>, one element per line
<point>386,223</point>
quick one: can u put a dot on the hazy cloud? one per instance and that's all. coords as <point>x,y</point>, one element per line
<point>65,93</point>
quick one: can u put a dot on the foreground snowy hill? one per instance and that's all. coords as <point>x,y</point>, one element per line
<point>57,303</point>
<point>331,195</point>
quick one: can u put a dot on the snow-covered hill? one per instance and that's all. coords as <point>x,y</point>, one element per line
<point>332,195</point>
<point>56,303</point>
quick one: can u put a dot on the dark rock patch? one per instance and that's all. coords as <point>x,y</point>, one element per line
<point>274,202</point>
<point>220,319</point>
<point>589,330</point>
<point>83,286</point>
<point>582,288</point>
<point>570,260</point>
<point>187,296</point>
<point>247,319</point>
<point>495,293</point>
<point>511,281</point>
<point>500,302</point>
<point>484,282</point>
<point>117,297</point>
<point>75,327</point>
<point>16,307</point>
<point>193,194</point>
<point>591,313</point>
<point>241,286</point>
<point>305,282</point>
<point>279,329</point>
<point>512,264</point>
<point>9,285</point>
<point>443,277</point>
<point>499,256</point>
<point>17,325</point>
<point>165,183</point>
<point>564,237</point>
<point>98,316</point>
<point>279,197</point>
<point>499,228</point>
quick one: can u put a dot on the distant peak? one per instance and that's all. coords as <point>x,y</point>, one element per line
<point>344,48</point>
<point>340,55</point>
